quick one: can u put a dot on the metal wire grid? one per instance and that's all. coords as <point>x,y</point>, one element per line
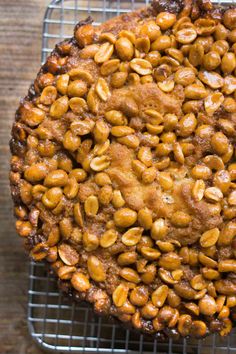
<point>61,326</point>
<point>54,322</point>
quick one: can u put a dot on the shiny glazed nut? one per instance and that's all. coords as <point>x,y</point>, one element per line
<point>159,229</point>
<point>161,43</point>
<point>68,254</point>
<point>210,237</point>
<point>210,274</point>
<point>125,217</point>
<point>96,269</point>
<point>65,227</point>
<point>117,199</point>
<point>90,241</point>
<point>124,49</point>
<point>36,173</point>
<point>143,44</point>
<point>23,228</point>
<point>57,178</point>
<point>220,143</point>
<point>150,29</point>
<point>119,131</point>
<point>127,308</point>
<point>52,197</point>
<point>207,305</point>
<point>149,311</point>
<point>211,60</point>
<point>102,89</point>
<point>181,219</point>
<point>166,86</point>
<point>212,79</point>
<point>169,261</point>
<point>78,73</point>
<point>228,265</point>
<point>91,205</point>
<point>110,66</point>
<point>32,116</point>
<point>165,246</point>
<point>84,35</point>
<point>131,141</point>
<point>195,92</point>
<point>105,195</point>
<point>77,88</point>
<point>165,180</point>
<point>120,295</point>
<point>150,253</point>
<point>184,325</point>
<point>100,163</point>
<point>207,261</point>
<point>228,63</point>
<point>132,236</point>
<point>78,215</point>
<point>127,258</point>
<point>62,83</point>
<point>66,272</point>
<point>213,102</point>
<point>187,125</point>
<point>139,296</point>
<point>104,53</point>
<point>80,282</point>
<point>118,79</point>
<point>115,117</point>
<point>165,20</point>
<point>201,172</point>
<point>186,35</point>
<point>48,96</point>
<point>198,283</point>
<point>198,190</point>
<point>185,76</point>
<point>71,142</point>
<point>159,296</point>
<point>39,252</point>
<point>101,131</point>
<point>205,26</point>
<point>213,194</point>
<point>145,218</point>
<point>215,163</point>
<point>130,275</point>
<point>232,198</point>
<point>59,107</point>
<point>141,66</point>
<point>198,329</point>
<point>196,54</point>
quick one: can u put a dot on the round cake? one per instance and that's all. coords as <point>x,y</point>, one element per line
<point>123,170</point>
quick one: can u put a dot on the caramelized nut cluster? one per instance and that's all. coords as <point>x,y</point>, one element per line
<point>123,171</point>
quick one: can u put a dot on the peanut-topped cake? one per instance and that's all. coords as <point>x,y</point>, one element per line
<point>123,171</point>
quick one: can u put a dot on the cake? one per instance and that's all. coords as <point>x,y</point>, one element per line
<point>123,167</point>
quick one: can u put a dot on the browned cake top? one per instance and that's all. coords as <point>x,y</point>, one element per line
<point>123,169</point>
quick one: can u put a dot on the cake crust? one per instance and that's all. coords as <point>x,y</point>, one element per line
<point>123,167</point>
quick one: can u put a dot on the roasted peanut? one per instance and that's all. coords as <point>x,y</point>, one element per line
<point>125,217</point>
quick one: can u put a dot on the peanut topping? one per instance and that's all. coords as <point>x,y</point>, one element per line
<point>123,170</point>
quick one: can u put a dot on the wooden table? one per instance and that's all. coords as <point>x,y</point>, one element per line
<point>20,53</point>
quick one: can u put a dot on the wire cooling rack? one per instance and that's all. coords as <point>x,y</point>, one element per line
<point>61,326</point>
<point>57,324</point>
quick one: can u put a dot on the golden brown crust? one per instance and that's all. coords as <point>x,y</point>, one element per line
<point>123,168</point>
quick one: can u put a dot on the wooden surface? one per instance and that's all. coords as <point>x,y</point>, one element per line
<point>20,47</point>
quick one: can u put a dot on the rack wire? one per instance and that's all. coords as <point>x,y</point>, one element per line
<point>55,322</point>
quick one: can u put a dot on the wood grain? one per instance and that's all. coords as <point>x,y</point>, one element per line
<point>20,53</point>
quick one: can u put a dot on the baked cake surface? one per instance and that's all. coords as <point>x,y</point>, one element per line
<point>123,169</point>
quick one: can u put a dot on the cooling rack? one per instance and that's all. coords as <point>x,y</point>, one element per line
<point>55,323</point>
